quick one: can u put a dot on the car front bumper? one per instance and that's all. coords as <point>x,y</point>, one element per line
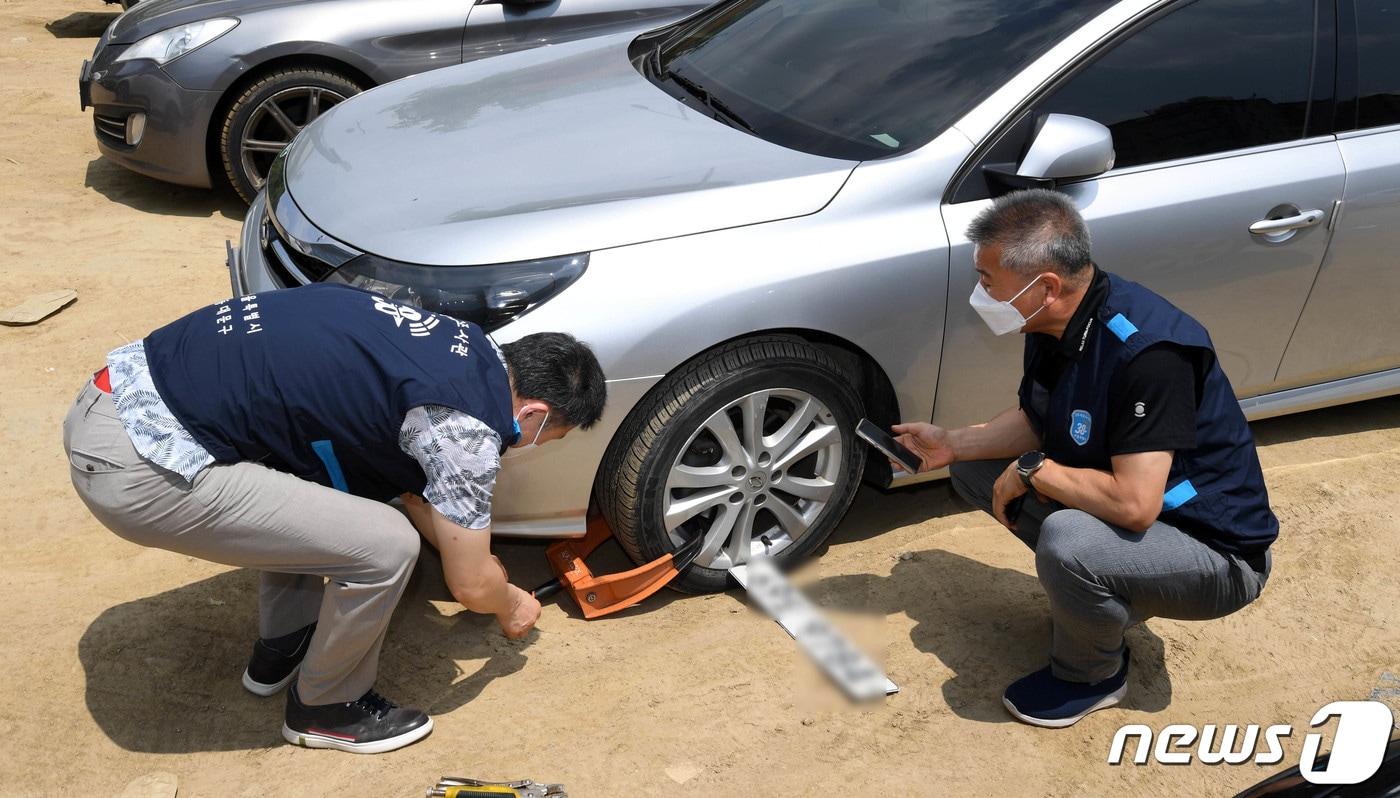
<point>539,496</point>
<point>172,146</point>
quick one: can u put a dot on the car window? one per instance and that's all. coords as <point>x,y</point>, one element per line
<point>1378,62</point>
<point>1211,76</point>
<point>857,79</point>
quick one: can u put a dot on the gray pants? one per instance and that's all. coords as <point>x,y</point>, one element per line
<point>1102,579</point>
<point>297,533</point>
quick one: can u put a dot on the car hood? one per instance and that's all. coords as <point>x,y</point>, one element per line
<point>152,16</point>
<point>545,152</point>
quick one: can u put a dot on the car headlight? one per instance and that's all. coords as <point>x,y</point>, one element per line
<point>170,44</point>
<point>488,295</point>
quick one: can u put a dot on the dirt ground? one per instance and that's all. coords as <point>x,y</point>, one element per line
<point>121,661</point>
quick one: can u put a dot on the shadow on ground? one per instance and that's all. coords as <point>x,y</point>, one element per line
<point>163,672</point>
<point>988,625</point>
<point>149,195</point>
<point>81,24</point>
<point>876,511</point>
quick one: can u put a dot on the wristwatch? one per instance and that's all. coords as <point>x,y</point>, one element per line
<point>1028,464</point>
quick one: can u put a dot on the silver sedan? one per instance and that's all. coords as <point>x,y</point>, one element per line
<point>756,216</point>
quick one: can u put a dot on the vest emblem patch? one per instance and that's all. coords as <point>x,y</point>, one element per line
<point>1080,422</point>
<point>420,323</point>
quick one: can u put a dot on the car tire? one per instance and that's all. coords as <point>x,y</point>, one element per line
<point>251,120</point>
<point>671,437</point>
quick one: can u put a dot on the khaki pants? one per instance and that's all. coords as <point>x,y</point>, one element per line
<point>298,534</point>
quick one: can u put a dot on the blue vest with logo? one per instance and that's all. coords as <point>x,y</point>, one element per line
<point>315,381</point>
<point>1215,491</point>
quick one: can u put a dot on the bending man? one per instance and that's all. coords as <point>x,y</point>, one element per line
<point>266,432</point>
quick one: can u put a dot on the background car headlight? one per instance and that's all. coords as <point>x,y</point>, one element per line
<point>488,295</point>
<point>175,42</point>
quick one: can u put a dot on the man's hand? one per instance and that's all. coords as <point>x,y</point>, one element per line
<point>1007,489</point>
<point>524,611</point>
<point>523,608</point>
<point>930,443</point>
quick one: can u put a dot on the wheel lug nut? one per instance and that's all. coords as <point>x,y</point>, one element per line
<point>764,458</point>
<point>777,475</point>
<point>759,499</point>
<point>736,497</point>
<point>737,471</point>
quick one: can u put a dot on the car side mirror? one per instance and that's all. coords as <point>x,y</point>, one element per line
<point>1063,147</point>
<point>1067,147</point>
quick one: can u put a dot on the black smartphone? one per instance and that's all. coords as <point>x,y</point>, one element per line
<point>886,444</point>
<point>1013,508</point>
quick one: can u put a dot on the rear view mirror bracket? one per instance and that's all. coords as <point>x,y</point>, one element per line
<point>1003,179</point>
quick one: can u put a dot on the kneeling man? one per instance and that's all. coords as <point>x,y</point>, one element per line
<point>1127,465</point>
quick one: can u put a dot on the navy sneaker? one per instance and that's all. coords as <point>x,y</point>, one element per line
<point>275,662</point>
<point>371,724</point>
<point>1040,699</point>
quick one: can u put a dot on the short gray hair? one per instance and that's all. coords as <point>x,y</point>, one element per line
<point>1037,230</point>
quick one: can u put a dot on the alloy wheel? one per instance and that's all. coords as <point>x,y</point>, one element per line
<point>754,477</point>
<point>276,121</point>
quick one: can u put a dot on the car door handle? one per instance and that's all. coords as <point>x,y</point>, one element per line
<point>1265,227</point>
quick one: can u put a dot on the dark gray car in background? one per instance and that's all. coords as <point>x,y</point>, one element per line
<point>190,91</point>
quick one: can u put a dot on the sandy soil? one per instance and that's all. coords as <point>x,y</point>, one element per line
<point>120,661</point>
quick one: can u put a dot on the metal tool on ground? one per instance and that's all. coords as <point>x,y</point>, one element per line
<point>462,787</point>
<point>603,595</point>
<point>855,673</point>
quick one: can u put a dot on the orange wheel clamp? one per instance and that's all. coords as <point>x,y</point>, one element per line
<point>603,595</point>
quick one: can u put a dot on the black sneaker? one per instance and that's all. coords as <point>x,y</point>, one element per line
<point>1041,699</point>
<point>275,662</point>
<point>370,725</point>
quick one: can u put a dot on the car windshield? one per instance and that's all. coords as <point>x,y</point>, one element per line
<point>855,79</point>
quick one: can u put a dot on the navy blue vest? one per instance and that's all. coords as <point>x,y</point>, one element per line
<point>1216,491</point>
<point>316,381</point>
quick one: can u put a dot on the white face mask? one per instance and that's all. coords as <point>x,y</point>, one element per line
<point>516,451</point>
<point>1001,317</point>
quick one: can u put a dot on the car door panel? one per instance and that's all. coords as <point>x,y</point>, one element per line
<point>1351,324</point>
<point>1352,321</point>
<point>1184,232</point>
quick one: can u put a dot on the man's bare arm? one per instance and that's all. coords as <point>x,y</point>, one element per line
<point>1129,496</point>
<point>1007,435</point>
<point>475,577</point>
